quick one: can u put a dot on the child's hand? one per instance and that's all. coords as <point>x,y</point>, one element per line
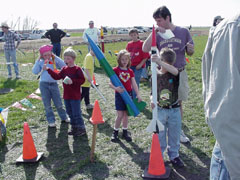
<point>45,67</point>
<point>152,105</point>
<point>139,98</point>
<point>155,58</point>
<point>70,81</point>
<point>119,89</point>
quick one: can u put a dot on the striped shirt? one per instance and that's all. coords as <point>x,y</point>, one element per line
<point>10,39</point>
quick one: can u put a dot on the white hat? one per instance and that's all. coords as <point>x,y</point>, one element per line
<point>5,25</point>
<point>91,22</point>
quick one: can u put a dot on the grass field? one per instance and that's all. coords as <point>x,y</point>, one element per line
<point>68,158</point>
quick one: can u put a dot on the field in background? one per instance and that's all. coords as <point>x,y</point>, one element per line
<point>68,158</point>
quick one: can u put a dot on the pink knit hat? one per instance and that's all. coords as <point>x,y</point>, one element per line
<point>45,48</point>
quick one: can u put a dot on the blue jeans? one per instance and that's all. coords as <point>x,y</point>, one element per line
<point>50,91</point>
<point>218,170</point>
<point>145,69</point>
<point>171,120</point>
<point>73,108</point>
<point>137,74</point>
<point>11,55</point>
<point>57,48</point>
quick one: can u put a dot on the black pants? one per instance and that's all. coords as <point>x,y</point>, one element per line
<point>85,95</point>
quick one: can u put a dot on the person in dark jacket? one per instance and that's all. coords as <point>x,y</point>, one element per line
<point>55,35</point>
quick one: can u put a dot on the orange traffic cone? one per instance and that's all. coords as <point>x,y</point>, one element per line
<point>29,151</point>
<point>156,168</point>
<point>94,80</point>
<point>96,115</point>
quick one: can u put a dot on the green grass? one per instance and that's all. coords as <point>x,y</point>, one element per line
<point>68,158</point>
<point>76,34</point>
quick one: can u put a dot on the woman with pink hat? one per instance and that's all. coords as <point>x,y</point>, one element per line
<point>48,86</point>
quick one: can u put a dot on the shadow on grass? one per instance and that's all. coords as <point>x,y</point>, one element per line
<point>64,163</point>
<point>3,151</point>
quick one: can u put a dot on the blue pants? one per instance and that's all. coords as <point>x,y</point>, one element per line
<point>73,108</point>
<point>50,91</point>
<point>137,74</point>
<point>57,48</point>
<point>11,55</point>
<point>218,170</point>
<point>171,120</point>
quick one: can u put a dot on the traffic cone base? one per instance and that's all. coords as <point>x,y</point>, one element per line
<point>29,151</point>
<point>21,160</point>
<point>150,176</point>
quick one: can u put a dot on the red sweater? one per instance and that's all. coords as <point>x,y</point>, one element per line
<point>70,91</point>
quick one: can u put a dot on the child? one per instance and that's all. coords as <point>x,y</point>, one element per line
<point>138,57</point>
<point>88,65</point>
<point>48,86</point>
<point>73,79</point>
<point>168,105</point>
<point>126,76</point>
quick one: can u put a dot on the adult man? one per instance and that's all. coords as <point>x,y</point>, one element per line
<point>221,84</point>
<point>10,49</point>
<point>55,35</point>
<point>181,43</point>
<point>92,32</point>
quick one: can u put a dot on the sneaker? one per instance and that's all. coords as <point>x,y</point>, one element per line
<point>18,77</point>
<point>177,162</point>
<point>9,76</point>
<point>89,106</point>
<point>80,132</point>
<point>66,120</point>
<point>127,135</point>
<point>52,125</point>
<point>184,138</point>
<point>114,137</point>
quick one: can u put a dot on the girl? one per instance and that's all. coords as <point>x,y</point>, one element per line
<point>126,76</point>
<point>48,86</point>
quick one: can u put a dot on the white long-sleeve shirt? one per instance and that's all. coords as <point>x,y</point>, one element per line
<point>93,33</point>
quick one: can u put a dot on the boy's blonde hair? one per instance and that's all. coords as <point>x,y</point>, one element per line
<point>168,55</point>
<point>70,52</point>
<point>122,53</point>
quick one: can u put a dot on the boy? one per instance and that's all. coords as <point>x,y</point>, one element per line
<point>138,57</point>
<point>168,106</point>
<point>73,79</point>
<point>88,65</point>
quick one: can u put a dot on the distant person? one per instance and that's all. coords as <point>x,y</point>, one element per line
<point>92,32</point>
<point>126,76</point>
<point>88,65</point>
<point>55,35</point>
<point>138,57</point>
<point>73,78</point>
<point>48,86</point>
<point>181,43</point>
<point>10,49</point>
<point>221,85</point>
<point>168,104</point>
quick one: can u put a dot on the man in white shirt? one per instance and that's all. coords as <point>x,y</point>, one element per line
<point>92,32</point>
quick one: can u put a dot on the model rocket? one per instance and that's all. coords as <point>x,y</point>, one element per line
<point>131,107</point>
<point>102,39</point>
<point>155,125</point>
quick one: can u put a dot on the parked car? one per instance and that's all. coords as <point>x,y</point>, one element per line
<point>37,34</point>
<point>140,29</point>
<point>67,35</point>
<point>25,36</point>
<point>122,31</point>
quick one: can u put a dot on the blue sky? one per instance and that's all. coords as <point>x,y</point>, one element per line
<point>73,14</point>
